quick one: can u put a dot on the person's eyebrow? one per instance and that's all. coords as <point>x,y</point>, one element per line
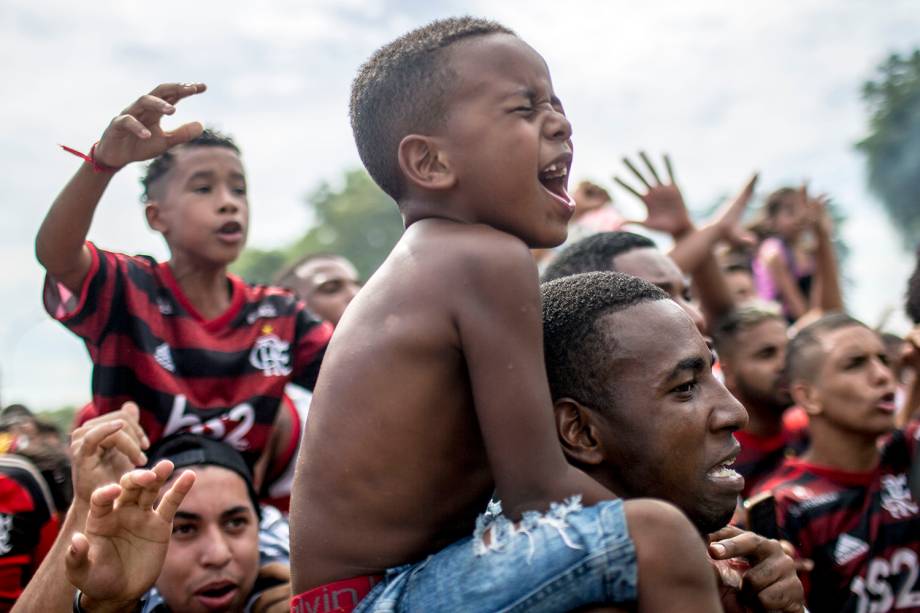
<point>202,174</point>
<point>187,516</point>
<point>695,364</point>
<point>234,511</point>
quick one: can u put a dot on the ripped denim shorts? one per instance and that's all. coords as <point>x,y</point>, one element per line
<point>569,557</point>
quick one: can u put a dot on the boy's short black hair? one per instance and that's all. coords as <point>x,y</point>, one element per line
<point>575,349</point>
<point>403,89</point>
<point>161,164</point>
<point>804,355</point>
<point>594,253</point>
<point>737,321</point>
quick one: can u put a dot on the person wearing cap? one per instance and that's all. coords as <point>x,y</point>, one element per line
<point>155,543</point>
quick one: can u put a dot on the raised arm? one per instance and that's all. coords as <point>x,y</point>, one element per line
<point>102,450</point>
<point>121,552</point>
<point>499,317</point>
<point>667,212</point>
<point>826,294</point>
<point>134,135</point>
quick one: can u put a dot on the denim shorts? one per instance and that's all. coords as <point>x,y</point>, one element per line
<point>558,561</point>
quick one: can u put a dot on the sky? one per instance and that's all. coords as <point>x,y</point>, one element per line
<point>724,87</point>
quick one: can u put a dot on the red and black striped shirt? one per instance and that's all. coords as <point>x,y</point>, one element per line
<point>861,529</point>
<point>761,456</point>
<point>222,377</point>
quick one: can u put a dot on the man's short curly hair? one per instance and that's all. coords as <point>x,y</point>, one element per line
<point>403,89</point>
<point>594,253</point>
<point>576,349</point>
<point>161,164</point>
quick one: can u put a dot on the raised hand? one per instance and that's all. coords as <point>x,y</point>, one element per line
<point>105,448</point>
<point>667,211</point>
<point>730,215</point>
<point>768,577</point>
<point>121,552</point>
<point>136,134</point>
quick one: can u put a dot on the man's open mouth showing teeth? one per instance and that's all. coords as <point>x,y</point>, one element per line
<point>723,470</point>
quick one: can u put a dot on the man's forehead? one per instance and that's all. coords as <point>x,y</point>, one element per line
<point>768,331</point>
<point>650,264</point>
<point>325,269</point>
<point>653,337</point>
<point>850,338</point>
<point>210,480</point>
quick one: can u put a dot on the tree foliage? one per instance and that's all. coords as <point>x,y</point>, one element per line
<point>892,147</point>
<point>357,221</point>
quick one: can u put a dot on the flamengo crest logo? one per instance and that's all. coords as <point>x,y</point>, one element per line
<point>270,354</point>
<point>896,497</point>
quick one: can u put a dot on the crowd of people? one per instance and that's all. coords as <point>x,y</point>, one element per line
<point>527,407</point>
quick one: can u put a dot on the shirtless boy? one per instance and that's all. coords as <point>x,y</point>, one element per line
<point>433,393</point>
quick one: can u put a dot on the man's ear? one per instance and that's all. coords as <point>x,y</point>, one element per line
<point>424,164</point>
<point>577,432</point>
<point>154,216</point>
<point>806,396</point>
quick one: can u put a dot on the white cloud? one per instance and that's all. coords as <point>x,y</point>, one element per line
<point>725,87</point>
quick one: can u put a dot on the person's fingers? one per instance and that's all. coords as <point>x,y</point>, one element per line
<point>133,414</point>
<point>786,595</point>
<point>77,558</point>
<point>272,600</point>
<point>132,125</point>
<point>725,533</point>
<point>627,187</point>
<point>151,108</point>
<point>670,168</point>
<point>636,172</point>
<point>173,92</point>
<point>746,544</point>
<point>170,502</point>
<point>133,484</point>
<point>183,133</point>
<point>149,494</point>
<point>126,444</point>
<point>771,567</point>
<point>748,190</point>
<point>651,168</point>
<point>102,502</point>
<point>89,440</point>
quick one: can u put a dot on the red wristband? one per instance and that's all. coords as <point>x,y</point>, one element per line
<point>91,159</point>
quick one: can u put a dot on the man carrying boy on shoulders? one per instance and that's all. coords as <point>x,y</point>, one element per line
<point>434,395</point>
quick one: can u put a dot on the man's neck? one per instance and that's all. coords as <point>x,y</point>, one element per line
<point>845,450</point>
<point>205,288</point>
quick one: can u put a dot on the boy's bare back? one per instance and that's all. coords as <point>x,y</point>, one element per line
<point>393,464</point>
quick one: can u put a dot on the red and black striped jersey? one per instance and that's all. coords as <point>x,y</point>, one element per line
<point>761,456</point>
<point>28,525</point>
<point>222,377</point>
<point>861,529</point>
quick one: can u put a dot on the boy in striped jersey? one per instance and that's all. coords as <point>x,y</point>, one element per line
<point>194,346</point>
<point>845,503</point>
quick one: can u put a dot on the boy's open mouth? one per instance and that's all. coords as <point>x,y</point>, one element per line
<point>231,231</point>
<point>555,178</point>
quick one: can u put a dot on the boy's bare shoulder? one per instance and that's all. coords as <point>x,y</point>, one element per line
<point>471,251</point>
